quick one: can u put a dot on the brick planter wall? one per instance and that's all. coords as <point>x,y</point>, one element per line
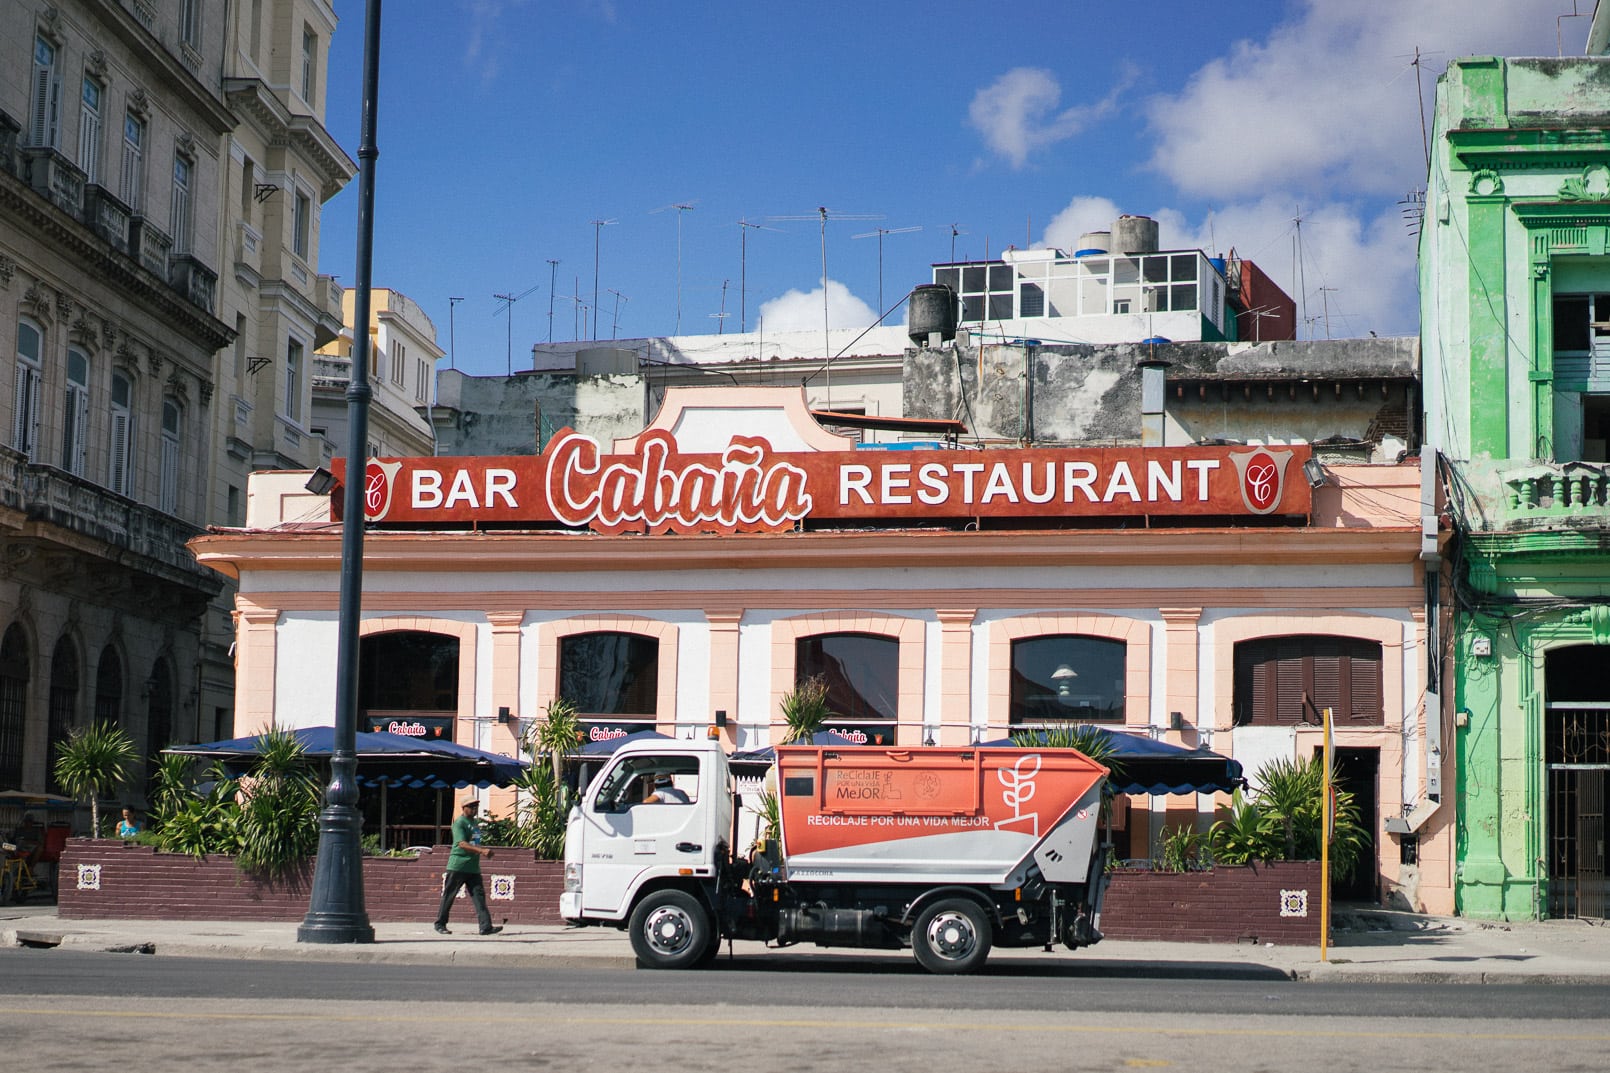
<point>1224,905</point>
<point>108,879</point>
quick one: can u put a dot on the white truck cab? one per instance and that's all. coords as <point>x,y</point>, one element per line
<point>658,811</point>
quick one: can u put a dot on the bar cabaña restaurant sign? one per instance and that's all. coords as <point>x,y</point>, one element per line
<point>750,488</point>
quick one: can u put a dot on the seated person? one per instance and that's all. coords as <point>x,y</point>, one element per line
<point>29,839</point>
<point>128,826</point>
<point>657,790</point>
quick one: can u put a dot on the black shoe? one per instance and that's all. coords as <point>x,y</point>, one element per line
<point>492,931</point>
<point>441,929</point>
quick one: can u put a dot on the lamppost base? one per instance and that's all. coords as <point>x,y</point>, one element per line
<point>336,912</point>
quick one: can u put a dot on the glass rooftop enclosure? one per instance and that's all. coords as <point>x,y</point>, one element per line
<point>1094,297</point>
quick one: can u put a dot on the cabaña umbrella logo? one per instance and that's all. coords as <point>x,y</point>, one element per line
<point>379,479</point>
<point>1261,476</point>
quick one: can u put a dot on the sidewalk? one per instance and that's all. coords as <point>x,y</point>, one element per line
<point>1369,946</point>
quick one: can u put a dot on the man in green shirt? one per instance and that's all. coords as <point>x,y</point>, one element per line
<point>464,870</point>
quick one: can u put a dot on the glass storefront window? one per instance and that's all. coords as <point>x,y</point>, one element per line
<point>1065,678</point>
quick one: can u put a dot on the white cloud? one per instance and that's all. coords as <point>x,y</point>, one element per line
<point>1017,113</point>
<point>1082,214</point>
<point>1328,100</point>
<point>802,310</point>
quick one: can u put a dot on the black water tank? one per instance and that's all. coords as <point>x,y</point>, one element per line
<point>931,308</point>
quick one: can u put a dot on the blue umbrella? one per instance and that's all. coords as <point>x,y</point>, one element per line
<point>383,759</point>
<point>1144,766</point>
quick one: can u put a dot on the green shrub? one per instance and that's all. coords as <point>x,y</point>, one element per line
<point>1184,850</point>
<point>1283,820</point>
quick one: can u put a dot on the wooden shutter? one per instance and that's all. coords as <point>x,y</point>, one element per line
<point>119,475</point>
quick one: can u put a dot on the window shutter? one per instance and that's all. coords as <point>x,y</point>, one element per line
<point>89,145</point>
<point>25,425</point>
<point>1365,687</point>
<point>81,441</point>
<point>170,476</point>
<point>39,127</point>
<point>1291,681</point>
<point>120,452</point>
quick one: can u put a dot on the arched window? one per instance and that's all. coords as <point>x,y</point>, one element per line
<point>25,394</point>
<point>610,675</point>
<point>14,660</point>
<point>409,677</point>
<point>168,497</point>
<point>1280,681</point>
<point>1067,678</point>
<point>118,471</point>
<point>63,709</point>
<point>109,688</point>
<point>862,675</point>
<point>75,412</point>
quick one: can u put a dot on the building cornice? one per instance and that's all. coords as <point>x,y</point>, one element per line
<point>231,551</point>
<point>256,104</point>
<point>173,76</point>
<point>26,209</point>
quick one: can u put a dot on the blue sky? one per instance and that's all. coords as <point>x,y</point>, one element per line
<point>506,126</point>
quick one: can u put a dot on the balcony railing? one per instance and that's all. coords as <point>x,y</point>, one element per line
<point>107,216</point>
<point>54,177</point>
<point>72,503</point>
<point>248,247</point>
<point>194,280</point>
<point>1542,493</point>
<point>149,246</point>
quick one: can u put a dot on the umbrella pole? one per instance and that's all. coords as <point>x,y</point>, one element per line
<point>384,845</point>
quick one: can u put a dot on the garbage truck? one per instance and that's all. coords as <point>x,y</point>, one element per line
<point>947,851</point>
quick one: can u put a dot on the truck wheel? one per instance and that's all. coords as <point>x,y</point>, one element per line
<point>951,936</point>
<point>670,930</point>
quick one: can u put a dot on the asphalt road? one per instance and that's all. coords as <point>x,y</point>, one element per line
<point>76,1011</point>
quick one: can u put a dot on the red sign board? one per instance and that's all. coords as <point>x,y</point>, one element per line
<point>749,487</point>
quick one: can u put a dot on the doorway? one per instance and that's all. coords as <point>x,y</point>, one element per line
<point>1358,772</point>
<point>1576,759</point>
<point>408,683</point>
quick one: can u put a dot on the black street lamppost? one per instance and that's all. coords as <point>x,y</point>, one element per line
<point>336,912</point>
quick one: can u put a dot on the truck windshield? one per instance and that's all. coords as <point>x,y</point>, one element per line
<point>633,781</point>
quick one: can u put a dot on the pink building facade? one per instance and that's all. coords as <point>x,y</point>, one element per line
<point>1147,618</point>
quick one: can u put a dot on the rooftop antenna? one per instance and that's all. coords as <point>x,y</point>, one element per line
<point>743,269</point>
<point>680,207</point>
<point>955,229</point>
<point>452,345</point>
<point>721,317</point>
<point>616,321</point>
<point>553,275</point>
<point>822,213</point>
<point>508,301</point>
<point>1297,269</point>
<point>598,227</point>
<point>1324,298</point>
<point>880,232</point>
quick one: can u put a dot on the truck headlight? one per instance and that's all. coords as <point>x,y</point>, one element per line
<point>572,877</point>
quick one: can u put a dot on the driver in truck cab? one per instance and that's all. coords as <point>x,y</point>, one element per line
<point>658,790</point>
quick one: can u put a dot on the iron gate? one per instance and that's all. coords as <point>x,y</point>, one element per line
<point>1577,756</point>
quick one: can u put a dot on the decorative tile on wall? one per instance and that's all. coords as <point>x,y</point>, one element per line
<point>1294,903</point>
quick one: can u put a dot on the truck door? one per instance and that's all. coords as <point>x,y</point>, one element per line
<point>647,818</point>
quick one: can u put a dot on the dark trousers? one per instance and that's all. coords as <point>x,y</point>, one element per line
<point>472,882</point>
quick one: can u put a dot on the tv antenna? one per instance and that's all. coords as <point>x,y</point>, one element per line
<point>616,320</point>
<point>508,301</point>
<point>553,275</point>
<point>598,227</point>
<point>823,214</point>
<point>743,269</point>
<point>452,336</point>
<point>955,229</point>
<point>681,207</point>
<point>880,232</point>
<point>721,317</point>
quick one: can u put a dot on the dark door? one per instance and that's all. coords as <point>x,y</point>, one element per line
<point>1576,758</point>
<point>1358,772</point>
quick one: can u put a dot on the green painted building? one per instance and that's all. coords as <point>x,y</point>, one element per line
<point>1515,323</point>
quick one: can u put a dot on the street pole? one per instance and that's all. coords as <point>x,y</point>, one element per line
<point>336,912</point>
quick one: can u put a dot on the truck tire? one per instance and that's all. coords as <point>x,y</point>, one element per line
<point>951,936</point>
<point>671,930</point>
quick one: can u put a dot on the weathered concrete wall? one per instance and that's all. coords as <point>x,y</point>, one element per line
<point>512,415</point>
<point>1089,394</point>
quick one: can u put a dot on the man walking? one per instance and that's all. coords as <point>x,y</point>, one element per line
<point>464,870</point>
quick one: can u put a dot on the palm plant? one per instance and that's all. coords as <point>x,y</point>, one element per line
<point>805,710</point>
<point>94,759</point>
<point>556,735</point>
<point>279,808</point>
<point>1242,836</point>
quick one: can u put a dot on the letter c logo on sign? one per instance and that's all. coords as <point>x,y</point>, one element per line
<point>379,478</point>
<point>1262,477</point>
